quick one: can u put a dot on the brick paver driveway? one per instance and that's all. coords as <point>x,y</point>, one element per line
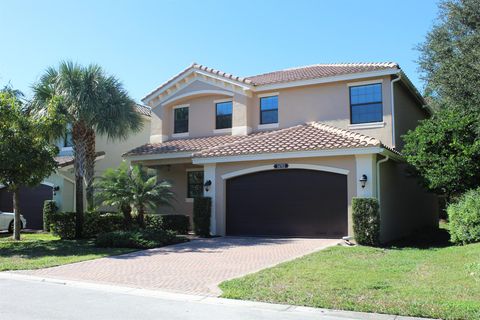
<point>194,267</point>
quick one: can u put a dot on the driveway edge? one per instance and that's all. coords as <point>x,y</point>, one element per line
<point>327,313</point>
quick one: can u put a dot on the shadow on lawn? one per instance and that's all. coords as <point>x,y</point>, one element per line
<point>423,239</point>
<point>31,249</point>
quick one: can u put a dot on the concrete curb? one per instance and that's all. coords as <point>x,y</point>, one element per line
<point>327,313</point>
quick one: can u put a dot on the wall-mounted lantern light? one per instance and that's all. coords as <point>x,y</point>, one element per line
<point>363,180</point>
<point>207,185</point>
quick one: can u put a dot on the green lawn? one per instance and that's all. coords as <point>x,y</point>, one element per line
<point>440,282</point>
<point>40,250</point>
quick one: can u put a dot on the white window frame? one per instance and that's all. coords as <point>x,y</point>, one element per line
<point>181,134</point>
<point>224,130</point>
<point>190,200</point>
<point>366,125</point>
<point>267,125</point>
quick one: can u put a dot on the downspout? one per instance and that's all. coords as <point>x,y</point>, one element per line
<point>378,176</point>
<point>392,105</point>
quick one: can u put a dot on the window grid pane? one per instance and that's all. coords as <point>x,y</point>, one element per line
<point>366,103</point>
<point>223,118</point>
<point>195,184</point>
<point>269,110</point>
<point>180,124</point>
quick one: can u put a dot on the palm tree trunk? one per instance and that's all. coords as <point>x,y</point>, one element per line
<point>90,166</point>
<point>141,216</point>
<point>79,150</point>
<point>127,215</point>
<point>16,217</point>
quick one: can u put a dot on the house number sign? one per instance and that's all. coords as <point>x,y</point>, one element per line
<point>280,165</point>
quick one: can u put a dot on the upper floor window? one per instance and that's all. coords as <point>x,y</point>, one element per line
<point>223,118</point>
<point>269,110</point>
<point>366,103</point>
<point>180,123</point>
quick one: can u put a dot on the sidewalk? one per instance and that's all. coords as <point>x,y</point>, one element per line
<point>44,298</point>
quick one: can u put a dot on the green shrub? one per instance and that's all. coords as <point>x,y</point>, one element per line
<point>177,222</point>
<point>62,224</point>
<point>141,239</point>
<point>464,217</point>
<point>153,222</point>
<point>202,210</point>
<point>366,221</point>
<point>96,222</point>
<point>49,208</point>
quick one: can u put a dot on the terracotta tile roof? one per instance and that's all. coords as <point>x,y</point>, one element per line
<point>299,73</point>
<point>185,145</point>
<point>144,110</point>
<point>306,137</point>
<point>318,71</point>
<point>66,160</point>
<point>199,67</point>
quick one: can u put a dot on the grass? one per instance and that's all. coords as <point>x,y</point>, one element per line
<point>422,279</point>
<point>41,250</point>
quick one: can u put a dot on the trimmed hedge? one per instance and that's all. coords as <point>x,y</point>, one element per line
<point>49,208</point>
<point>464,218</point>
<point>366,221</point>
<point>96,222</point>
<point>202,210</point>
<point>144,239</point>
<point>154,222</point>
<point>62,224</point>
<point>177,222</point>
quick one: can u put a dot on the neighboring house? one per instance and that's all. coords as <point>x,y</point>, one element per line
<point>284,153</point>
<point>60,186</point>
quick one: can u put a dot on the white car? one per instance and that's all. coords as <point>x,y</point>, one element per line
<point>6,221</point>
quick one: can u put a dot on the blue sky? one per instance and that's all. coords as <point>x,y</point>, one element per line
<point>144,43</point>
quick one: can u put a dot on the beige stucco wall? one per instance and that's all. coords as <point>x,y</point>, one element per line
<point>345,162</point>
<point>113,157</point>
<point>408,111</point>
<point>405,206</point>
<point>177,175</point>
<point>327,103</point>
<point>115,148</point>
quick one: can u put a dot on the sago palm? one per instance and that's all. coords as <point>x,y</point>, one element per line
<point>147,192</point>
<point>112,189</point>
<point>133,188</point>
<point>93,103</point>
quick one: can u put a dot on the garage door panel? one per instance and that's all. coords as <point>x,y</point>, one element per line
<point>31,203</point>
<point>293,202</point>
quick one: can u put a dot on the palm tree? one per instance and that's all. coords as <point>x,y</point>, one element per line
<point>112,189</point>
<point>92,103</point>
<point>133,188</point>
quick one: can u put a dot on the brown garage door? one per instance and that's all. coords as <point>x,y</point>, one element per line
<point>292,202</point>
<point>31,203</point>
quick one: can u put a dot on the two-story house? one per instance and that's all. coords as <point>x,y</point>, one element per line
<point>284,153</point>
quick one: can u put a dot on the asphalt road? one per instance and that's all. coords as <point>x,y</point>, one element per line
<point>24,299</point>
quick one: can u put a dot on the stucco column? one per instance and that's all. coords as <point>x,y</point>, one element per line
<point>209,174</point>
<point>158,129</point>
<point>240,125</point>
<point>365,165</point>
